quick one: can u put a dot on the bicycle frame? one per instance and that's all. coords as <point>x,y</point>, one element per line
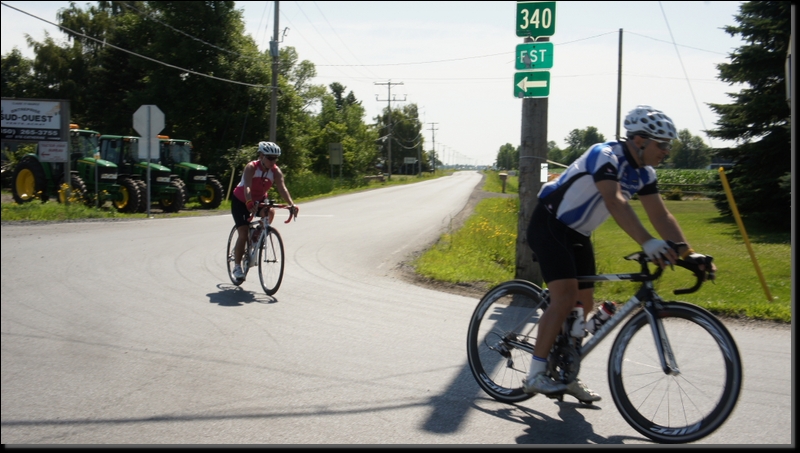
<point>646,297</point>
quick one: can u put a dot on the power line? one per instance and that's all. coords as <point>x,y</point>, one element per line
<point>134,53</point>
<point>686,76</point>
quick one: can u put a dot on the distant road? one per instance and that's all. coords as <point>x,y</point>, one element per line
<point>131,333</point>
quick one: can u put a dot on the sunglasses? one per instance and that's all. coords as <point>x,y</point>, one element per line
<point>272,158</point>
<point>663,145</point>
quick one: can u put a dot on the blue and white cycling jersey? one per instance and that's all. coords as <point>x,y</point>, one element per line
<point>574,199</point>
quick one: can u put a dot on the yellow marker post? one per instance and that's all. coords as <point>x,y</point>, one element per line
<point>742,230</point>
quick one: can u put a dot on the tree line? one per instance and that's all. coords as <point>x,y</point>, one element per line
<point>215,91</point>
<point>211,82</point>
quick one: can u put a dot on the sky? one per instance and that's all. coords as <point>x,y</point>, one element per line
<point>456,61</point>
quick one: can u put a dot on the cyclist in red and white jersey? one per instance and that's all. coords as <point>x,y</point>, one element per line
<point>258,177</point>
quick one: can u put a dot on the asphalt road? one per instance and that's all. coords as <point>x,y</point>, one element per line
<point>131,333</point>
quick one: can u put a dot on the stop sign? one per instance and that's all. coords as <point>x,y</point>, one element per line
<point>148,121</point>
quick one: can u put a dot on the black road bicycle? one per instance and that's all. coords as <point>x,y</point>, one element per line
<point>674,370</point>
<point>264,248</point>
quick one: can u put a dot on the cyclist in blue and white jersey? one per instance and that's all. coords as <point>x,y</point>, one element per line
<point>597,185</point>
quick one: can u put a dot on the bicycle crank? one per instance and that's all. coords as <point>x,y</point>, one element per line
<point>564,364</point>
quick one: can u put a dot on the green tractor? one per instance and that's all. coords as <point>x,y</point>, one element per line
<point>165,188</point>
<point>34,179</point>
<point>177,155</point>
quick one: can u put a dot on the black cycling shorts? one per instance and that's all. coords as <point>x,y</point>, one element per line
<point>561,251</point>
<point>239,212</point>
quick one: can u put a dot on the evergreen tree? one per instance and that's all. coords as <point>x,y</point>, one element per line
<point>759,119</point>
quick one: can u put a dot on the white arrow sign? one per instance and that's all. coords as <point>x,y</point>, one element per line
<point>524,84</point>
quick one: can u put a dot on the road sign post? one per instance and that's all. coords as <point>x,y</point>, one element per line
<point>148,121</point>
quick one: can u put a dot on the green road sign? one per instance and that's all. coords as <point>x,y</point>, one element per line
<point>536,19</point>
<point>534,55</point>
<point>532,84</point>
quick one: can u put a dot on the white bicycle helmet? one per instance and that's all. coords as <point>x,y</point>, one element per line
<point>649,122</point>
<point>269,149</point>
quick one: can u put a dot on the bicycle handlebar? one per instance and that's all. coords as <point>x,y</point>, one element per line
<point>693,266</point>
<point>293,210</point>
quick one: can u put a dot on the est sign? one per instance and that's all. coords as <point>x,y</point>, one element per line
<point>536,19</point>
<point>534,55</point>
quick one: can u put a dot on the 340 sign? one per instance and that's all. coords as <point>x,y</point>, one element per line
<point>536,19</point>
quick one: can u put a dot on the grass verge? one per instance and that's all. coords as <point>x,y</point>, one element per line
<point>483,250</point>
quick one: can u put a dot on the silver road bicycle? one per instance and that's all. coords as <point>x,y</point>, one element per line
<point>264,249</point>
<point>674,370</point>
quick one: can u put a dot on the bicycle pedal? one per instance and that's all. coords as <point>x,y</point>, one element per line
<point>556,396</point>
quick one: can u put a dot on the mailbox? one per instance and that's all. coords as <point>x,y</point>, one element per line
<point>503,177</point>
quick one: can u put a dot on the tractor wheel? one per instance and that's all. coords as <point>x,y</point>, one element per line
<point>174,202</point>
<point>29,181</point>
<point>78,188</point>
<point>212,196</point>
<point>129,200</point>
<point>142,195</point>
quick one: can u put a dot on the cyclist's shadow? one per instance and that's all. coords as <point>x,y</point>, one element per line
<point>230,295</point>
<point>572,428</point>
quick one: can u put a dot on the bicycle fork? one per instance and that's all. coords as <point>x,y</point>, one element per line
<point>651,308</point>
<point>663,348</point>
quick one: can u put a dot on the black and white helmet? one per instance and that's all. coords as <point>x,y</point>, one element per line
<point>649,122</point>
<point>269,149</point>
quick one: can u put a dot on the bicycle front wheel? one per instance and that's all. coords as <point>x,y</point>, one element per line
<point>270,261</point>
<point>685,405</point>
<point>231,260</point>
<point>501,337</point>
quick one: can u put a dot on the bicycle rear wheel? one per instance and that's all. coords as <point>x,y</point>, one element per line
<point>501,336</point>
<point>679,407</point>
<point>270,261</point>
<point>230,259</point>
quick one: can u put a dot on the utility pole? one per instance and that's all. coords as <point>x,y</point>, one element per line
<point>273,111</point>
<point>532,154</point>
<point>389,123</point>
<point>433,139</point>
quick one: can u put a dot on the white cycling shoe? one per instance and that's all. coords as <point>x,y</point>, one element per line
<point>238,274</point>
<point>542,383</point>
<point>583,393</point>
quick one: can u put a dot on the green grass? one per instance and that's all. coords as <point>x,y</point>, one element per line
<point>738,290</point>
<point>483,250</point>
<point>493,183</point>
